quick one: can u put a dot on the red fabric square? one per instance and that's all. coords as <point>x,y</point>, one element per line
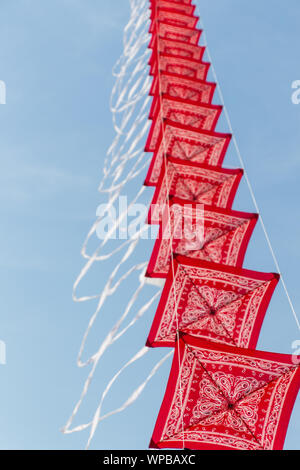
<point>198,91</point>
<point>176,6</point>
<point>174,2</point>
<point>226,398</point>
<point>194,182</point>
<point>173,17</point>
<point>213,302</point>
<point>191,114</point>
<point>180,66</point>
<point>201,232</point>
<point>182,142</point>
<point>178,33</point>
<point>176,48</point>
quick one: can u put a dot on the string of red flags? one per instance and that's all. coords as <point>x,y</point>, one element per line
<point>222,392</point>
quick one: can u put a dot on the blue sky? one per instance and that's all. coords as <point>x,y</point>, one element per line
<point>56,59</point>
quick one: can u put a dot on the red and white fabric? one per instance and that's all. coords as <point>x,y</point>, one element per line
<point>171,16</point>
<point>178,33</point>
<point>185,88</point>
<point>182,142</point>
<point>154,3</point>
<point>213,302</point>
<point>201,232</point>
<point>194,182</point>
<point>180,66</point>
<point>176,48</point>
<point>220,397</point>
<point>188,9</point>
<point>188,113</point>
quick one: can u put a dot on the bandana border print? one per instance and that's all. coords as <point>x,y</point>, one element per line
<point>223,235</point>
<point>179,141</point>
<point>199,116</point>
<point>273,419</point>
<point>223,185</point>
<point>198,91</point>
<point>186,8</point>
<point>242,321</point>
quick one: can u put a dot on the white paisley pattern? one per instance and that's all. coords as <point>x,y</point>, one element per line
<point>181,87</point>
<point>177,19</point>
<point>229,406</point>
<point>182,66</point>
<point>185,181</point>
<point>237,301</point>
<point>188,145</point>
<point>213,403</point>
<point>204,235</point>
<point>175,5</point>
<point>178,33</point>
<point>193,115</point>
<point>197,317</point>
<point>188,51</point>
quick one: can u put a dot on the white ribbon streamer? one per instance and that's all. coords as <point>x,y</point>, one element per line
<point>124,162</point>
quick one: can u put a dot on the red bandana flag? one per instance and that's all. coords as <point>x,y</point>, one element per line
<point>194,182</point>
<point>188,113</point>
<point>176,48</point>
<point>178,33</point>
<point>184,88</point>
<point>201,232</point>
<point>186,8</point>
<point>182,142</point>
<point>226,398</point>
<point>211,301</point>
<point>173,17</point>
<point>189,68</point>
<point>155,3</point>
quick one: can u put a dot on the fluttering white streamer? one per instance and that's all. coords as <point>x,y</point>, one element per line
<point>124,162</point>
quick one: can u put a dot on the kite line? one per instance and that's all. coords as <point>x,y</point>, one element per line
<point>250,187</point>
